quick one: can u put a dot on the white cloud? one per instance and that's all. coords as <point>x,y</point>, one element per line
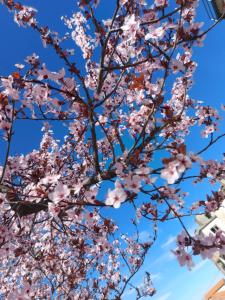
<point>156,277</point>
<point>164,296</point>
<point>128,293</point>
<point>200,265</point>
<point>163,258</point>
<point>144,235</point>
<point>169,241</point>
<point>172,238</point>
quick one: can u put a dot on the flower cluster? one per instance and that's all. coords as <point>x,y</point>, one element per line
<point>175,167</point>
<point>116,126</point>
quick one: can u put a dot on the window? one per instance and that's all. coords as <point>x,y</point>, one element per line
<point>222,257</point>
<point>214,229</point>
<point>208,215</point>
<point>221,265</point>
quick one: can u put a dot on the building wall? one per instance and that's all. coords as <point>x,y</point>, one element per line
<point>218,222</point>
<point>209,226</point>
<point>217,292</point>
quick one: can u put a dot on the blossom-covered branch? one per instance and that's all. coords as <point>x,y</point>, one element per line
<point>127,113</point>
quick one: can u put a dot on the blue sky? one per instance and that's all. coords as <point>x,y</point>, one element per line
<point>171,281</point>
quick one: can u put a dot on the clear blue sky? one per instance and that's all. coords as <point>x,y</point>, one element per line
<point>171,281</point>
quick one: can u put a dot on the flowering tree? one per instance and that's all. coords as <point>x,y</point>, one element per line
<point>126,109</point>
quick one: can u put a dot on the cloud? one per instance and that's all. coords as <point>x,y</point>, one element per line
<point>169,241</point>
<point>128,293</point>
<point>156,277</point>
<point>163,258</point>
<point>164,296</point>
<point>200,265</point>
<point>172,238</point>
<point>144,235</point>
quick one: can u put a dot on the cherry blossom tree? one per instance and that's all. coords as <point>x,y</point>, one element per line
<point>126,109</point>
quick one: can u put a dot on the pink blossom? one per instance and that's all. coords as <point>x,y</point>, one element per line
<point>32,59</point>
<point>183,258</point>
<point>130,27</point>
<point>155,33</point>
<point>121,114</point>
<point>161,3</point>
<point>90,195</point>
<point>26,15</point>
<point>142,171</point>
<point>183,240</point>
<point>8,88</point>
<point>44,73</point>
<point>132,183</point>
<point>54,210</point>
<point>208,130</point>
<point>170,173</point>
<point>130,24</point>
<point>116,196</point>
<point>175,168</point>
<point>177,66</point>
<point>25,293</point>
<point>50,179</point>
<point>61,192</point>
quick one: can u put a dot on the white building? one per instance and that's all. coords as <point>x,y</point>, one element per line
<point>210,224</point>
